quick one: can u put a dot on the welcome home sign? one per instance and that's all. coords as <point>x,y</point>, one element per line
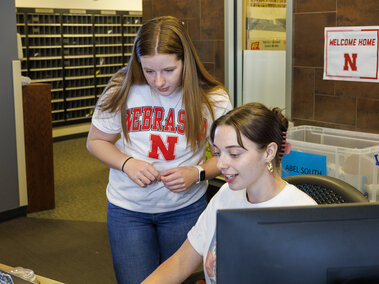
<point>351,53</point>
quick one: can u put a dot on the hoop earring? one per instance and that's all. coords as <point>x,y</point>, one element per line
<point>270,167</point>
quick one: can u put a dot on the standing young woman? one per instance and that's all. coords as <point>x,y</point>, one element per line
<point>249,142</point>
<point>159,109</point>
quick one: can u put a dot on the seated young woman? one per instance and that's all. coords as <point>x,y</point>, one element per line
<point>249,143</point>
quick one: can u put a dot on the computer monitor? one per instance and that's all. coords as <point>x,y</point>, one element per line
<point>306,245</point>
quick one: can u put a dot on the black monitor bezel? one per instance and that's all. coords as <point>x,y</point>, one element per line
<point>336,236</point>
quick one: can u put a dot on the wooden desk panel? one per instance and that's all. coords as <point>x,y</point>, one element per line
<point>38,146</point>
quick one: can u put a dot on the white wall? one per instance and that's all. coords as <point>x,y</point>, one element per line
<point>264,73</point>
<point>122,5</point>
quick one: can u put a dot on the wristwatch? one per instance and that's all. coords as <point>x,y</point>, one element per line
<point>201,174</point>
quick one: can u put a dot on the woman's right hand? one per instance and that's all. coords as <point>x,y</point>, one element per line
<point>101,145</point>
<point>141,172</point>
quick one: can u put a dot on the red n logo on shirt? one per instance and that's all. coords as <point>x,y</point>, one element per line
<point>156,142</point>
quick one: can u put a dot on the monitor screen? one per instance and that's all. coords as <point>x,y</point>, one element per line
<point>313,244</point>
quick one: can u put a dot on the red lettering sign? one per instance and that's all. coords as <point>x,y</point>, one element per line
<point>348,61</point>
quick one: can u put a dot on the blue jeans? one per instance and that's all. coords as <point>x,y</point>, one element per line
<point>141,241</point>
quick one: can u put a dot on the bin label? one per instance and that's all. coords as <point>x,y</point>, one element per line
<point>300,163</point>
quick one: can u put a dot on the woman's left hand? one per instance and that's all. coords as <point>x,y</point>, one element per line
<point>180,179</point>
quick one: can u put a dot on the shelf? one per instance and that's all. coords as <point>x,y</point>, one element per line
<point>109,45</point>
<point>41,46</point>
<point>80,98</point>
<point>108,55</point>
<point>57,100</point>
<point>78,56</point>
<point>46,80</point>
<point>43,36</point>
<point>78,46</point>
<point>45,58</point>
<point>43,25</point>
<point>77,67</point>
<point>107,35</point>
<point>77,53</point>
<point>106,25</point>
<point>47,69</point>
<point>76,25</point>
<point>77,35</point>
<point>79,88</point>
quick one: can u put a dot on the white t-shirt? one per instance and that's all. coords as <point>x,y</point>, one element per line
<point>202,235</point>
<point>156,131</point>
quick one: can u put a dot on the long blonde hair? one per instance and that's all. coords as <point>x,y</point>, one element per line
<point>166,35</point>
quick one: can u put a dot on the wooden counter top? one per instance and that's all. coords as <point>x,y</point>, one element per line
<point>41,279</point>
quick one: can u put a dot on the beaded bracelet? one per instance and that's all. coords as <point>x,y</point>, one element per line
<point>122,168</point>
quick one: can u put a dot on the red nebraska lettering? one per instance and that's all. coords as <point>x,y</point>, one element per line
<point>170,121</point>
<point>158,117</point>
<point>181,120</point>
<point>146,120</point>
<point>136,114</point>
<point>154,118</point>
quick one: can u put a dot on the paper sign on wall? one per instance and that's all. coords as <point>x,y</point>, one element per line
<point>351,53</point>
<point>299,163</point>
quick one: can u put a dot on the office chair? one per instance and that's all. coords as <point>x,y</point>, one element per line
<point>326,189</point>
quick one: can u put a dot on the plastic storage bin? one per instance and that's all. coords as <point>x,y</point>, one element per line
<point>351,156</point>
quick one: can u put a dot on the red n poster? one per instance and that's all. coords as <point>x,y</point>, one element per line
<point>351,53</point>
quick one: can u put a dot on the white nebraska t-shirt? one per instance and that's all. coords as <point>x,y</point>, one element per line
<point>156,130</point>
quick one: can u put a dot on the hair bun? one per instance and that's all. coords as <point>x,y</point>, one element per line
<point>283,120</point>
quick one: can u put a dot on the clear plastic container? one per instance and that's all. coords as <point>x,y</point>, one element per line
<point>373,192</point>
<point>351,156</point>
